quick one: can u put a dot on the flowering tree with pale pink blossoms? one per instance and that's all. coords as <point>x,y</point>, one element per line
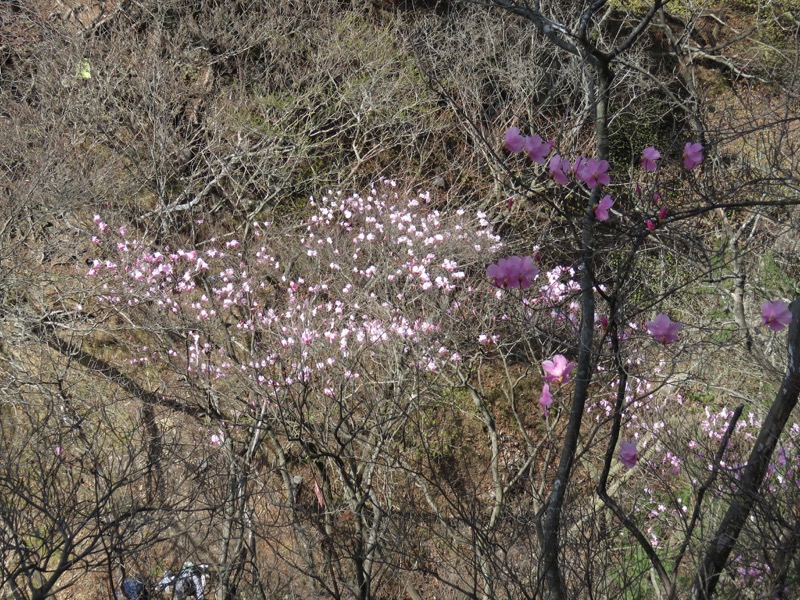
<point>334,364</point>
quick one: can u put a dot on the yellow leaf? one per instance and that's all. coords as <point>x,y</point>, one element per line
<point>84,69</point>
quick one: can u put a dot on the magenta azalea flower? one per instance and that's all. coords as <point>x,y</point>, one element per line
<point>537,149</point>
<point>513,272</point>
<point>628,454</point>
<point>592,172</point>
<point>649,157</point>
<point>580,161</point>
<point>775,315</point>
<point>692,154</point>
<point>558,369</point>
<point>662,213</point>
<point>601,210</point>
<point>559,169</point>
<point>650,225</point>
<point>546,400</point>
<point>663,329</point>
<point>514,140</point>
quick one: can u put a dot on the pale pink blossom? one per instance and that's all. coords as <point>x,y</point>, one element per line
<point>217,439</point>
<point>558,369</point>
<point>649,157</point>
<point>513,272</point>
<point>546,399</point>
<point>593,172</point>
<point>485,340</point>
<point>559,169</point>
<point>663,329</point>
<point>514,140</point>
<point>318,494</point>
<point>627,454</point>
<point>692,154</point>
<point>537,149</point>
<point>58,451</point>
<point>602,208</point>
<point>775,315</point>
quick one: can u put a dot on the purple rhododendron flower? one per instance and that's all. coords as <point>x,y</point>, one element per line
<point>546,400</point>
<point>663,329</point>
<point>628,454</point>
<point>592,172</point>
<point>514,140</point>
<point>602,208</point>
<point>649,157</point>
<point>781,458</point>
<point>558,369</point>
<point>775,315</point>
<point>559,169</point>
<point>513,272</point>
<point>692,154</point>
<point>537,149</point>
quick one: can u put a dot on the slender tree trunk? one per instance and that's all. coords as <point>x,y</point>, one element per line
<point>229,536</point>
<point>551,520</point>
<point>790,539</point>
<point>155,487</point>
